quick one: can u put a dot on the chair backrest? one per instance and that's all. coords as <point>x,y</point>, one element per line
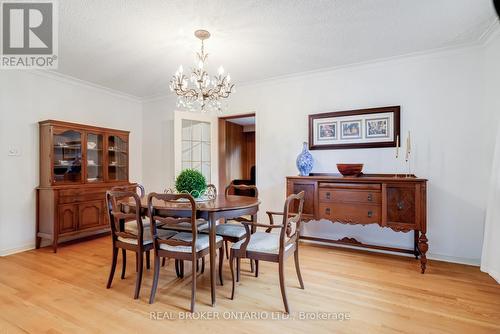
<point>115,200</point>
<point>291,220</point>
<point>139,188</point>
<point>244,190</point>
<point>172,221</point>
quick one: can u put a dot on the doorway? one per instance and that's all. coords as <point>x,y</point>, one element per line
<point>236,137</point>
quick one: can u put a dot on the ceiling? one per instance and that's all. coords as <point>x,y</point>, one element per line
<point>135,46</point>
<point>243,121</point>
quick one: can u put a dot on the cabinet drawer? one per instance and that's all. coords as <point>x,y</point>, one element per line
<point>349,196</point>
<point>84,195</point>
<point>351,213</point>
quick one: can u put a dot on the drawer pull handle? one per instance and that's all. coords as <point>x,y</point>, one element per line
<point>328,196</point>
<point>401,205</point>
<point>327,211</point>
<point>370,197</point>
<point>370,214</point>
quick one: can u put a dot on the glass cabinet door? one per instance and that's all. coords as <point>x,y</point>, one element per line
<point>67,157</point>
<point>94,157</point>
<point>117,159</point>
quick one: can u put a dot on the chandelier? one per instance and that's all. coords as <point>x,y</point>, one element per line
<point>198,89</point>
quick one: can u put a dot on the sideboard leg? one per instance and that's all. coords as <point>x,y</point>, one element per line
<point>54,244</point>
<point>38,242</point>
<point>423,246</point>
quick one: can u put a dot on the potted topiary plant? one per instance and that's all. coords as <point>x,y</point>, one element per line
<point>191,181</point>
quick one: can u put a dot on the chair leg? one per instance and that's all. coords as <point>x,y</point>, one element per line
<point>124,263</point>
<point>181,268</point>
<point>256,268</point>
<point>136,262</point>
<point>163,262</point>
<point>177,269</point>
<point>193,286</point>
<point>148,260</point>
<point>282,284</point>
<point>197,265</point>
<point>238,262</point>
<point>251,266</point>
<point>231,265</point>
<point>221,259</point>
<point>202,265</point>
<point>138,280</point>
<point>155,279</point>
<point>297,268</point>
<point>113,267</point>
<point>227,249</point>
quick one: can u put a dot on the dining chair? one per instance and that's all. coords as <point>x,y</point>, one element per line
<point>131,224</point>
<point>232,230</point>
<point>273,247</point>
<point>128,232</point>
<point>183,246</point>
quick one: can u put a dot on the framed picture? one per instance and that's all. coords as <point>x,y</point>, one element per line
<point>363,128</point>
<point>327,131</point>
<point>350,129</point>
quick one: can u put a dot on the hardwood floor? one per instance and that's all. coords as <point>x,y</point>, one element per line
<point>381,294</point>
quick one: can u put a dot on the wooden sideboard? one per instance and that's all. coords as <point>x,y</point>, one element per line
<point>393,201</point>
<point>78,164</point>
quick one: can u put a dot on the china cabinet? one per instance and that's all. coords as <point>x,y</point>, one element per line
<point>78,163</point>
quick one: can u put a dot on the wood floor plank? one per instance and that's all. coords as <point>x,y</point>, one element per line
<point>42,292</point>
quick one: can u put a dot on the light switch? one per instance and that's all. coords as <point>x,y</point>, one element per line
<point>14,151</point>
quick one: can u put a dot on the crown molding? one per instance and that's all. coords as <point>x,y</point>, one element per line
<point>85,84</point>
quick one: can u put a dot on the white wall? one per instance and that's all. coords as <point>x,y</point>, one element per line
<point>441,99</point>
<point>28,97</point>
<point>490,261</point>
<point>158,148</point>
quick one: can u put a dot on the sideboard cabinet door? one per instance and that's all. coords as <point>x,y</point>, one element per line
<point>68,218</point>
<point>401,207</point>
<point>309,188</point>
<point>90,214</point>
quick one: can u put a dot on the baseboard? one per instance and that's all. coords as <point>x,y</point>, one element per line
<point>23,248</point>
<point>430,256</point>
<point>493,273</point>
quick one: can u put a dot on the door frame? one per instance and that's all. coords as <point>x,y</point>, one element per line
<point>221,124</point>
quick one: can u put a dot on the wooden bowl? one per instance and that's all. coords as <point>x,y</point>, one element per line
<point>350,169</point>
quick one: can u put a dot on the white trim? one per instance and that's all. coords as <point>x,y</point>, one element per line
<point>23,248</point>
<point>86,84</point>
<point>493,273</point>
<point>430,256</point>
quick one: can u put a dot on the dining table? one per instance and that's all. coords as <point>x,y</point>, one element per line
<point>220,208</point>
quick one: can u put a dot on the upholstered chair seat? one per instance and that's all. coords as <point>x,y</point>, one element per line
<point>228,230</point>
<point>201,224</point>
<point>263,242</point>
<point>146,235</point>
<point>202,242</point>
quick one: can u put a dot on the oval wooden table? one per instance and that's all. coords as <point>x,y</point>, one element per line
<point>223,207</point>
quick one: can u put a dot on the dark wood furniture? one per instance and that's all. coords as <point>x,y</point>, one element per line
<point>393,201</point>
<point>129,232</point>
<point>184,246</point>
<point>78,164</point>
<point>234,231</point>
<point>222,207</point>
<point>267,246</point>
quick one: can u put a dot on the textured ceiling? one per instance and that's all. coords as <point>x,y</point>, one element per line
<point>135,46</point>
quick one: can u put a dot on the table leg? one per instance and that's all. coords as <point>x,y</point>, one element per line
<point>211,226</point>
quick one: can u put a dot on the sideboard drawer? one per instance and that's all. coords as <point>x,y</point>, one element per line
<point>351,213</point>
<point>350,196</point>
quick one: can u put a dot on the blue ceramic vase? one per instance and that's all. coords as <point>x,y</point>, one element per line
<point>304,161</point>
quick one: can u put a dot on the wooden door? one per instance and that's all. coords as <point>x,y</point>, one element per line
<point>68,218</point>
<point>90,214</point>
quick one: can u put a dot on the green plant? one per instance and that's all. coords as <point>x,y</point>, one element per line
<point>191,181</point>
